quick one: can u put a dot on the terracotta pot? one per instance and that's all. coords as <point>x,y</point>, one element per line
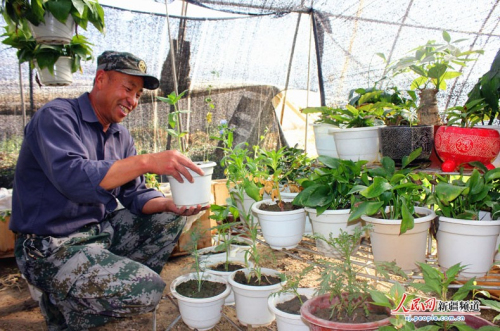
<point>456,146</point>
<point>318,324</point>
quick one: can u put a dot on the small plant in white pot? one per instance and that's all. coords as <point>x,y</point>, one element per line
<point>392,204</point>
<point>186,193</point>
<point>286,303</point>
<point>252,286</point>
<point>200,295</point>
<point>326,197</point>
<point>282,223</point>
<point>469,216</point>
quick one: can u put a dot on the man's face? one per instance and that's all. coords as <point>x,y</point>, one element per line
<point>118,95</point>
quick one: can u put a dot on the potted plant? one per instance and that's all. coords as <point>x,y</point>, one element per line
<point>282,223</point>
<point>55,63</point>
<point>200,296</point>
<point>343,301</point>
<point>252,286</point>
<point>431,65</point>
<point>356,137</point>
<point>392,204</point>
<point>51,21</point>
<point>186,193</point>
<point>401,134</point>
<point>469,214</point>
<point>324,141</point>
<point>326,198</point>
<point>286,303</point>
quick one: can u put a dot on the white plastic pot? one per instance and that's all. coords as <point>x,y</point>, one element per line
<point>281,229</point>
<point>330,222</point>
<point>357,143</point>
<point>200,314</point>
<point>325,143</point>
<point>286,321</point>
<point>406,249</point>
<point>471,243</point>
<point>62,73</point>
<point>53,31</point>
<point>308,225</point>
<point>251,301</point>
<point>197,193</point>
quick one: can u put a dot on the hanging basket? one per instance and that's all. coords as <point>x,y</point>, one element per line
<point>62,73</point>
<point>53,31</point>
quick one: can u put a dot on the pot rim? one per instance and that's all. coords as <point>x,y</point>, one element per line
<point>255,208</point>
<point>430,215</point>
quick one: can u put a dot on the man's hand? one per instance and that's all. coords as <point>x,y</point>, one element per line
<point>159,205</point>
<point>174,164</point>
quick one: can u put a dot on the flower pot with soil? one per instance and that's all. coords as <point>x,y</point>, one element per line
<point>286,308</point>
<point>251,295</point>
<point>200,306</point>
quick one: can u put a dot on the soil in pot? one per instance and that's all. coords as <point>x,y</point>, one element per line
<point>208,289</point>
<point>292,306</point>
<point>230,267</point>
<point>266,280</point>
<point>287,206</point>
<point>358,316</point>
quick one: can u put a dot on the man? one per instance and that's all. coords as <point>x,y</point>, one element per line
<point>91,261</point>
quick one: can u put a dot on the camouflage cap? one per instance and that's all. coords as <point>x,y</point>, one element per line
<point>127,63</point>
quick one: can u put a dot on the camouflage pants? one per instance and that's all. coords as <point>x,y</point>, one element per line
<point>101,272</point>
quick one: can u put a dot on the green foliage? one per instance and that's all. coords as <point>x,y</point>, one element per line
<point>434,63</point>
<point>349,117</point>
<point>392,193</point>
<point>220,214</point>
<point>466,116</point>
<point>291,284</point>
<point>328,186</point>
<point>18,12</point>
<point>174,118</point>
<point>152,181</point>
<point>295,164</point>
<point>466,196</point>
<point>192,248</point>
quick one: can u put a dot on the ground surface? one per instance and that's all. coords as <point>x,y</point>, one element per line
<point>19,312</point>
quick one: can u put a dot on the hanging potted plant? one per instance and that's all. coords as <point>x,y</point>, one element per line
<point>326,198</point>
<point>433,64</point>
<point>469,211</point>
<point>391,203</point>
<point>186,193</point>
<point>55,63</point>
<point>401,134</point>
<point>282,223</point>
<point>200,296</point>
<point>252,286</point>
<point>53,21</point>
<point>344,301</point>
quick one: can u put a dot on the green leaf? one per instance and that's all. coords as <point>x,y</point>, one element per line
<point>446,36</point>
<point>60,9</point>
<point>446,192</point>
<point>437,71</point>
<point>380,299</point>
<point>379,186</point>
<point>432,278</point>
<point>407,221</point>
<point>365,208</point>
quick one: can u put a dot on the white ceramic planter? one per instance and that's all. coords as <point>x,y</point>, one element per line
<point>330,222</point>
<point>197,193</point>
<point>325,144</point>
<point>62,73</point>
<point>53,31</point>
<point>286,321</point>
<point>213,262</point>
<point>471,243</point>
<point>406,249</point>
<point>281,229</point>
<point>200,314</point>
<point>357,143</point>
<point>308,226</point>
<point>251,301</point>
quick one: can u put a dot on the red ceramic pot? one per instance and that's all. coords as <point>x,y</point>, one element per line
<point>323,301</point>
<point>456,146</point>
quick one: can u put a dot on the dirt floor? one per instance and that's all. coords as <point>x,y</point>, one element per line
<point>19,312</point>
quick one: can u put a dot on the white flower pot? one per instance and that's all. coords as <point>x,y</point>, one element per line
<point>62,73</point>
<point>281,229</point>
<point>286,321</point>
<point>325,144</point>
<point>406,249</point>
<point>471,243</point>
<point>357,143</point>
<point>53,31</point>
<point>308,225</point>
<point>197,193</point>
<point>212,262</point>
<point>246,206</point>
<point>330,223</point>
<point>203,313</point>
<point>251,301</point>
